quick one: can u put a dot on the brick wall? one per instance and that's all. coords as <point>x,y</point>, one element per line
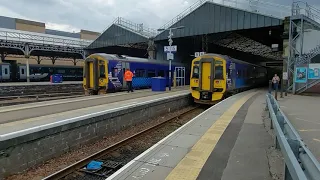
<point>18,154</point>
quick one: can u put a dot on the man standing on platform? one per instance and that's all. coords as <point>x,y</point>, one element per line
<point>275,81</point>
<point>128,78</point>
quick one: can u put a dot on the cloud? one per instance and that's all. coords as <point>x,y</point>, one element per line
<point>61,27</point>
<point>96,15</point>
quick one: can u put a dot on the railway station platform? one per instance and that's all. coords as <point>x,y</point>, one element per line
<point>228,141</point>
<point>303,113</point>
<point>33,133</point>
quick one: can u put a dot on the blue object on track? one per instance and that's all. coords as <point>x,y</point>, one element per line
<point>94,165</point>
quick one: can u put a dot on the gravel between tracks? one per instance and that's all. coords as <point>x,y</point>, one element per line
<point>56,164</point>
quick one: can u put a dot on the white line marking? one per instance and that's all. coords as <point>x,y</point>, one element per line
<point>19,107</point>
<point>309,130</point>
<point>293,114</point>
<point>316,139</point>
<point>307,120</point>
<point>75,119</point>
<point>160,142</point>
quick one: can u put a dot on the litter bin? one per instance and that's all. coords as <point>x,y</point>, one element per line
<point>158,84</point>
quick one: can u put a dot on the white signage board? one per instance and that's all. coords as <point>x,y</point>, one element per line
<point>168,49</point>
<point>285,75</point>
<point>197,54</point>
<point>170,56</point>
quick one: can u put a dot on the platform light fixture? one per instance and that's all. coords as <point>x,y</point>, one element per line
<point>170,44</point>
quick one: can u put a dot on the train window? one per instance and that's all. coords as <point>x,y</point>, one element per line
<point>151,73</point>
<point>218,72</point>
<point>5,71</point>
<point>115,72</point>
<point>139,73</point>
<point>61,71</point>
<point>102,70</point>
<point>195,73</point>
<point>161,73</point>
<point>22,71</point>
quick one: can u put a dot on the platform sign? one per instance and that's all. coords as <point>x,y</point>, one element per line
<point>169,49</point>
<point>301,75</point>
<point>197,54</point>
<point>170,56</point>
<point>314,71</point>
<point>285,75</point>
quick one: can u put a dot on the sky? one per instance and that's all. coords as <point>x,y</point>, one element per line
<point>97,15</point>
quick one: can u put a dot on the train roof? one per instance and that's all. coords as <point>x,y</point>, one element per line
<point>233,59</point>
<point>126,58</point>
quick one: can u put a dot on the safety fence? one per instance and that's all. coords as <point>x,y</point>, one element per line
<point>300,163</point>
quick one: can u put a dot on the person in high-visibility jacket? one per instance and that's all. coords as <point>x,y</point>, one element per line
<point>128,78</point>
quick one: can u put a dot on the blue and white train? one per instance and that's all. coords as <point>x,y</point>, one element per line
<point>38,72</point>
<point>214,76</point>
<point>105,72</point>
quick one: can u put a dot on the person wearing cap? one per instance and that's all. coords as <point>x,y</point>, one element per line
<point>128,78</point>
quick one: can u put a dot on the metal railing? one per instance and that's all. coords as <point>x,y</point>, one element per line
<point>257,6</point>
<point>300,162</point>
<point>129,25</point>
<point>138,28</point>
<point>303,8</point>
<point>306,58</point>
<point>38,38</point>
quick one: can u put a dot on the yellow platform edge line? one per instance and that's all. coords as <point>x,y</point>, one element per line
<point>190,166</point>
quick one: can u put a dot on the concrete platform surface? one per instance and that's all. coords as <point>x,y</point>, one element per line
<point>248,158</point>
<point>31,110</point>
<point>30,125</point>
<point>3,84</point>
<point>206,146</point>
<point>304,112</point>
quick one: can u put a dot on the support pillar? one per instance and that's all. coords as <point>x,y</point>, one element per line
<point>27,56</point>
<point>53,59</point>
<point>204,41</point>
<point>74,61</point>
<point>151,49</point>
<point>39,60</point>
<point>2,57</point>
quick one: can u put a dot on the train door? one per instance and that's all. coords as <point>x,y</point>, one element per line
<point>125,65</point>
<point>206,74</point>
<point>5,72</point>
<point>23,72</point>
<point>180,76</point>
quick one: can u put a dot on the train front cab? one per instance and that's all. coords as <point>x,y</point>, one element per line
<point>208,79</point>
<point>95,75</point>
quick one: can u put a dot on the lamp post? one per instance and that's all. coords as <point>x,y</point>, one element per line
<point>170,44</point>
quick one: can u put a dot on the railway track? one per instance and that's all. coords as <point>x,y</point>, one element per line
<point>120,153</point>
